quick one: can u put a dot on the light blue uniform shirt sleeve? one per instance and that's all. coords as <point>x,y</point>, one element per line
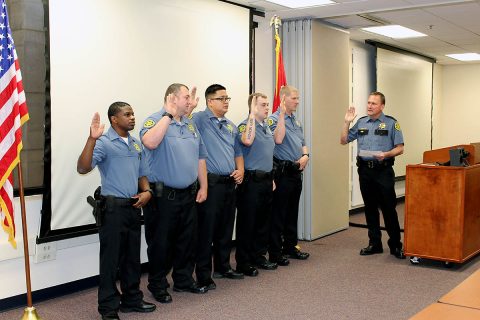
<point>353,132</point>
<point>99,153</point>
<point>237,147</point>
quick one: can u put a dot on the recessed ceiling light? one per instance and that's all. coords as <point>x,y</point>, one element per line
<point>465,56</point>
<point>395,31</point>
<point>301,3</point>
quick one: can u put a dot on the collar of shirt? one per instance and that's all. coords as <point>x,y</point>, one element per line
<point>211,115</point>
<point>381,118</point>
<point>112,135</point>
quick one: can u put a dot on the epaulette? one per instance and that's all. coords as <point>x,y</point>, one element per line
<point>391,117</point>
<point>362,117</point>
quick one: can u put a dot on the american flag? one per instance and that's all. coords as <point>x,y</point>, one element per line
<point>13,114</point>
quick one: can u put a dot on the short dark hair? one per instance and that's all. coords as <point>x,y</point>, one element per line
<point>211,90</point>
<point>173,88</point>
<point>115,108</point>
<point>379,94</point>
<point>256,94</point>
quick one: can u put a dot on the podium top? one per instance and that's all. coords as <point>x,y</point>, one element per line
<point>443,155</point>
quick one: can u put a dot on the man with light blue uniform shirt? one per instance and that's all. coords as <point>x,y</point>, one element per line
<point>176,157</point>
<point>225,169</point>
<point>123,172</point>
<point>379,140</point>
<point>290,158</point>
<point>256,191</point>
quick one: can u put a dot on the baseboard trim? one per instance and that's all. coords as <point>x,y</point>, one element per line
<point>53,292</point>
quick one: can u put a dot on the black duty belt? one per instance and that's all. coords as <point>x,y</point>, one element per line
<point>259,174</point>
<point>216,178</point>
<point>120,202</point>
<point>285,166</point>
<point>160,189</point>
<point>373,164</point>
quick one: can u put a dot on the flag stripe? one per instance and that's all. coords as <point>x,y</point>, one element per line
<point>280,78</point>
<point>13,114</point>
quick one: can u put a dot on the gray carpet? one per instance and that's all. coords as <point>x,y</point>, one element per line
<point>335,283</point>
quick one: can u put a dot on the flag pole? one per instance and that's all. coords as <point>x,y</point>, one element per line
<point>30,313</point>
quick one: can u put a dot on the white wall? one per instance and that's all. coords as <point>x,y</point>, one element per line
<point>264,54</point>
<point>75,258</point>
<point>458,123</point>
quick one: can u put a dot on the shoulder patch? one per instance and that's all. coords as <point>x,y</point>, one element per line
<point>397,126</point>
<point>241,128</point>
<point>270,121</point>
<point>149,123</point>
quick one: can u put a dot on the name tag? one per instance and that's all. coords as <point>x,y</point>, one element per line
<point>381,132</point>
<point>362,131</point>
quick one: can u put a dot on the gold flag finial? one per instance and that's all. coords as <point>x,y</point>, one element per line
<point>276,22</point>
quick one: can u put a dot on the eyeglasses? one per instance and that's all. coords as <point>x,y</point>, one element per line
<point>223,99</point>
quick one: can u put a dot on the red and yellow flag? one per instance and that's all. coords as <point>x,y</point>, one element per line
<point>280,77</point>
<point>13,114</point>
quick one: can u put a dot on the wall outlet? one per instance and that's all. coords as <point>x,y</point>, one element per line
<point>45,252</point>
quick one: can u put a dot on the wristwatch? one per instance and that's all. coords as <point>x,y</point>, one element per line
<point>166,114</point>
<point>149,190</point>
<point>306,154</point>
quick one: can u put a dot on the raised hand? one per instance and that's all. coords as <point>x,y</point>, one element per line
<point>283,108</point>
<point>193,98</point>
<point>96,128</point>
<point>253,106</point>
<point>350,115</point>
<point>170,104</point>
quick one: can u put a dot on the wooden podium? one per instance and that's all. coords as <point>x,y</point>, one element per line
<point>442,207</point>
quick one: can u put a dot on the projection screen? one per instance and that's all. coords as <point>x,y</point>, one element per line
<point>103,51</point>
<point>406,81</point>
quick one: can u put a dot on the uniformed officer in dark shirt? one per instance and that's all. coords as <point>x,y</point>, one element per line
<point>379,140</point>
<point>290,157</point>
<point>255,194</point>
<point>225,170</point>
<point>123,172</point>
<point>176,157</point>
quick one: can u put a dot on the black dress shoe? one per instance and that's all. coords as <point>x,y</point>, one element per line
<point>162,296</point>
<point>281,261</point>
<point>398,253</point>
<point>111,316</point>
<point>371,250</point>
<point>209,284</point>
<point>230,274</point>
<point>297,254</point>
<point>267,265</point>
<point>194,288</point>
<point>249,271</point>
<point>142,307</point>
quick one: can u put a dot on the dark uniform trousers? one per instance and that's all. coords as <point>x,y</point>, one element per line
<point>119,252</point>
<point>254,204</point>
<point>216,218</point>
<point>377,185</point>
<point>284,220</point>
<point>170,226</point>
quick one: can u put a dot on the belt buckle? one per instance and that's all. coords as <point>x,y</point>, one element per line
<point>370,164</point>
